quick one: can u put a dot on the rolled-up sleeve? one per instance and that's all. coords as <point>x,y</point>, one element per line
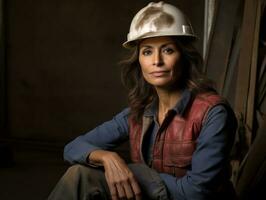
<point>105,136</point>
<point>210,159</point>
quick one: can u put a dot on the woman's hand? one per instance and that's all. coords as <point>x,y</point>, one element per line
<point>120,179</point>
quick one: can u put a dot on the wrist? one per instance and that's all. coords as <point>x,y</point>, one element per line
<point>100,157</point>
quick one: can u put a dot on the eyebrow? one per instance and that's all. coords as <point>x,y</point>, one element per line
<point>150,46</point>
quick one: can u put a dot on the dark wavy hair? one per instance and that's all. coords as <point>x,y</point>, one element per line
<point>141,93</point>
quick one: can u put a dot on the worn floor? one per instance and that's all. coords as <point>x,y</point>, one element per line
<point>33,175</point>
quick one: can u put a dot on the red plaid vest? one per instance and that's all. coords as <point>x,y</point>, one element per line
<point>176,139</point>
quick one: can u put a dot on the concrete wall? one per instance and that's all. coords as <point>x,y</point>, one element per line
<point>61,63</point>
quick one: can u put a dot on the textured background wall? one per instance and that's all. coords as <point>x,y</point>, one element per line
<point>62,73</point>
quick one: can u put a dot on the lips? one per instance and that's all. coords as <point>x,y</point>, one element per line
<point>159,73</point>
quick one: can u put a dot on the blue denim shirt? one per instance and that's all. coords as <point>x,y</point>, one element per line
<point>209,160</point>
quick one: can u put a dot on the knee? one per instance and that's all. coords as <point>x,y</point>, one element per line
<point>75,172</point>
<point>77,175</point>
<point>80,172</point>
<point>75,169</point>
<point>91,181</point>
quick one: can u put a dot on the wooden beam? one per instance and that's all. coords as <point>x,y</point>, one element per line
<point>253,72</point>
<point>210,9</point>
<point>2,73</point>
<point>220,40</point>
<point>246,77</point>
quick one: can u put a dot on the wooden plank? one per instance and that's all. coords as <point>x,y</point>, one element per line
<point>262,84</point>
<point>253,73</point>
<point>2,73</point>
<point>245,62</point>
<point>228,84</point>
<point>250,176</point>
<point>227,89</point>
<point>221,41</point>
<point>210,9</point>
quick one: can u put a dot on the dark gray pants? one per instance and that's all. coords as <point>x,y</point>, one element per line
<point>86,183</point>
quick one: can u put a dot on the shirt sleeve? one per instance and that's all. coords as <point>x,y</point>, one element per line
<point>210,159</point>
<point>105,136</point>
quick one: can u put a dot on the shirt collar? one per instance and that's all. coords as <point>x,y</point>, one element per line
<point>179,108</point>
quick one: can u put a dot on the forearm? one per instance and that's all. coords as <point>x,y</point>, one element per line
<point>106,136</point>
<point>78,150</point>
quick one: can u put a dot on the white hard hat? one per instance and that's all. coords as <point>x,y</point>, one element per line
<point>158,19</point>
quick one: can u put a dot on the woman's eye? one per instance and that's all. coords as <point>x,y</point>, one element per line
<point>168,50</point>
<point>146,52</point>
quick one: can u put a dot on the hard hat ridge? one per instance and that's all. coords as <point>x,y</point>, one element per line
<point>158,19</point>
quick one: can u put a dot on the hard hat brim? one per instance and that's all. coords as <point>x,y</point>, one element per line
<point>134,42</point>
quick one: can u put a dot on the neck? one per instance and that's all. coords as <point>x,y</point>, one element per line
<point>167,99</point>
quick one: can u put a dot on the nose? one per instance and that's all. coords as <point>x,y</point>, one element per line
<point>157,59</point>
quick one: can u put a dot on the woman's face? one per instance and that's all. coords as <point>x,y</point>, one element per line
<point>159,59</point>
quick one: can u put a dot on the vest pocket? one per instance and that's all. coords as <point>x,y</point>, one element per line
<point>182,162</point>
<point>178,154</point>
<point>177,167</point>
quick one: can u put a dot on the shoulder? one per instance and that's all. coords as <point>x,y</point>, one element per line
<point>123,114</point>
<point>209,99</point>
<point>202,103</point>
<point>217,110</point>
<point>121,118</point>
<point>222,113</point>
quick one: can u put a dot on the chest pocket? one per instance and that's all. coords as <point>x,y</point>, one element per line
<point>179,146</point>
<point>177,157</point>
<point>178,154</point>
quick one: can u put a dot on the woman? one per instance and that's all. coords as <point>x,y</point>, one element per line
<point>180,130</point>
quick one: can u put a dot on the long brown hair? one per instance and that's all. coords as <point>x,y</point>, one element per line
<point>141,93</point>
